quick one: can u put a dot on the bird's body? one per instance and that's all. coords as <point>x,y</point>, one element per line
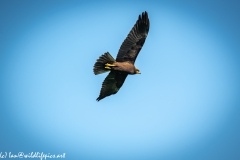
<point>127,67</point>
<point>124,63</point>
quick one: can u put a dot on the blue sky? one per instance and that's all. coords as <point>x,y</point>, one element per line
<point>184,105</point>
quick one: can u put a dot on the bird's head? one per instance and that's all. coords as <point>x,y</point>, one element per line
<point>137,71</point>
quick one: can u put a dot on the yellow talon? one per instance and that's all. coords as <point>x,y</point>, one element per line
<point>107,67</point>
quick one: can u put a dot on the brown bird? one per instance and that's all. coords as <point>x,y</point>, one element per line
<point>124,63</point>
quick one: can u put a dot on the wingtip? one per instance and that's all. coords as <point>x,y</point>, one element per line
<point>146,19</point>
<point>98,99</point>
<point>144,16</point>
<point>140,17</point>
<point>145,13</point>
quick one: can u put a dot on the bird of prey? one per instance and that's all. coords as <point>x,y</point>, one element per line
<point>124,63</point>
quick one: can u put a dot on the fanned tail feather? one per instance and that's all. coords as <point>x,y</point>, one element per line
<point>99,66</point>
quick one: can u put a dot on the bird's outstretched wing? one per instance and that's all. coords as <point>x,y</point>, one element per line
<point>133,43</point>
<point>112,83</point>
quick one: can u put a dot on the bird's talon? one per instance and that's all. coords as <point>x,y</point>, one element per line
<point>107,67</point>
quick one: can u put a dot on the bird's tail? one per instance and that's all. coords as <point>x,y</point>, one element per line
<point>99,66</point>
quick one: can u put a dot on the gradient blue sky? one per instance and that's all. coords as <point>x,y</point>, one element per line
<point>184,105</point>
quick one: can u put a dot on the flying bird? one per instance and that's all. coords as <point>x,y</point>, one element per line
<point>124,63</point>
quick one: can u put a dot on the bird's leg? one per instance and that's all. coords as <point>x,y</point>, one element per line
<point>107,65</point>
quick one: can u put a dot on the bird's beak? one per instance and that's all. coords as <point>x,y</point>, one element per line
<point>138,72</point>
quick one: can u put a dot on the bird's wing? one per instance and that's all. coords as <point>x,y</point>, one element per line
<point>133,43</point>
<point>112,83</point>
